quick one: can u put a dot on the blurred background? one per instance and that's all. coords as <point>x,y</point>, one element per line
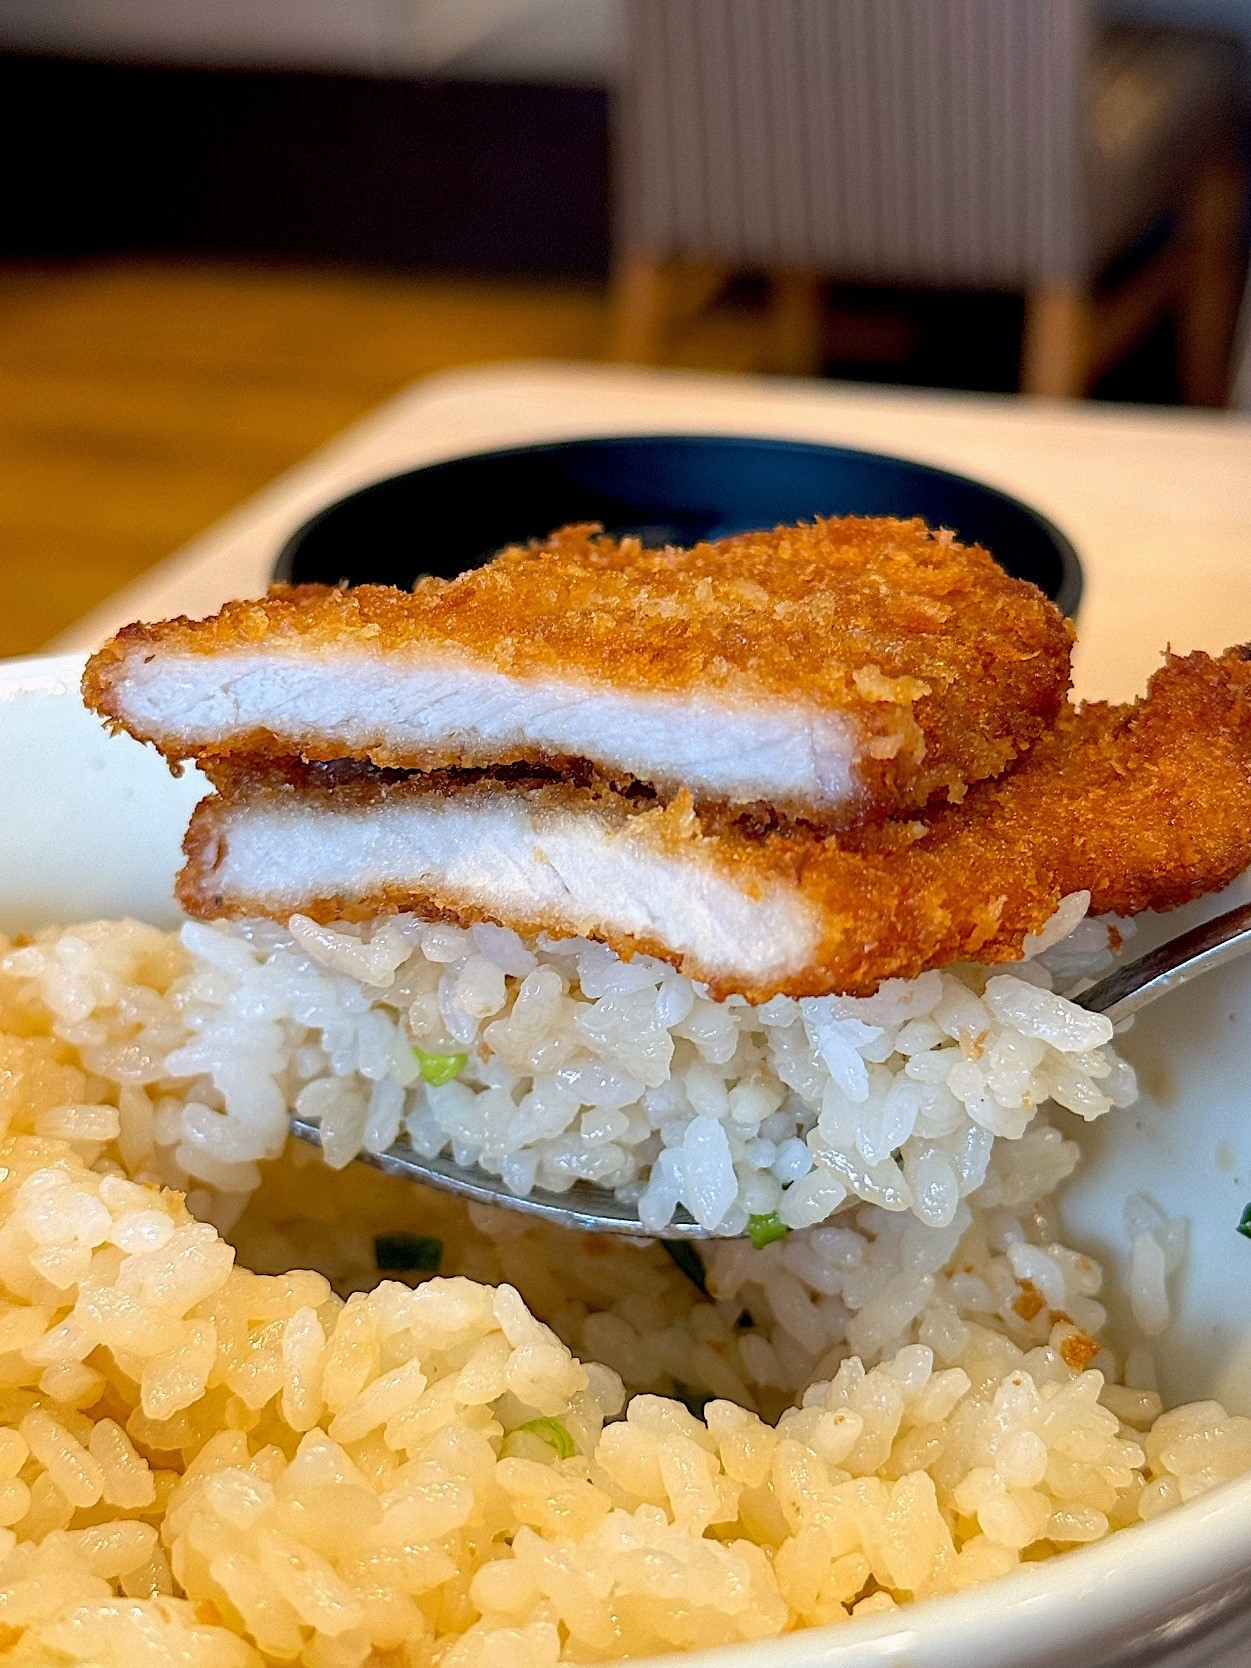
<point>230,227</point>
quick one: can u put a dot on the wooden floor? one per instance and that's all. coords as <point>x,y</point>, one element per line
<point>141,401</point>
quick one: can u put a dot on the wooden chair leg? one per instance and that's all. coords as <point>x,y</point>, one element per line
<point>796,316</point>
<point>1240,389</point>
<point>1055,349</point>
<point>654,301</point>
<point>1208,300</point>
<point>639,311</point>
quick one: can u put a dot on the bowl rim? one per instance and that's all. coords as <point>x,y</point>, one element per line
<point>1102,1595</point>
<point>1149,1579</point>
<point>1072,579</point>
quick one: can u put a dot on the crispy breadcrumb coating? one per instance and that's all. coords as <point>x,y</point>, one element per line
<point>848,669</point>
<point>1144,806</point>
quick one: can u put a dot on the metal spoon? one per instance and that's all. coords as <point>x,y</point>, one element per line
<point>596,1210</point>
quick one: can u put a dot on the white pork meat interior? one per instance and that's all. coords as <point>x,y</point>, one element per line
<point>403,706</point>
<point>510,858</point>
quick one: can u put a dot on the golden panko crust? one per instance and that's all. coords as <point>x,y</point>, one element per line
<point>1145,806</point>
<point>946,667</point>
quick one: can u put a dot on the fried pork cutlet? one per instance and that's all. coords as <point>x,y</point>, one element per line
<point>844,670</point>
<point>1144,806</point>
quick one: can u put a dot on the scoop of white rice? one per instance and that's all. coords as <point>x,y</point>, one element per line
<point>550,1062</point>
<point>296,1460</point>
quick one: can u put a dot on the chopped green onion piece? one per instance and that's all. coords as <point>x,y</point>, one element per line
<point>551,1430</point>
<point>763,1230</point>
<point>420,1253</point>
<point>1244,1223</point>
<point>440,1068</point>
<point>688,1260</point>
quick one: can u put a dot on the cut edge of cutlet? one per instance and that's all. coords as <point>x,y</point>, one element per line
<point>1141,806</point>
<point>940,667</point>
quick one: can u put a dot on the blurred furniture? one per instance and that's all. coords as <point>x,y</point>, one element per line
<point>1010,145</point>
<point>535,41</point>
<point>1240,391</point>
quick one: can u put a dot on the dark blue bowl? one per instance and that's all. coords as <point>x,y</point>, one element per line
<point>666,489</point>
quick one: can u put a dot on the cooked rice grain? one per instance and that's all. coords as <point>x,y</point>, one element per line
<point>554,1061</point>
<point>201,1463</point>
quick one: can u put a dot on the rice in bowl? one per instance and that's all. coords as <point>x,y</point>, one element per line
<point>547,1446</point>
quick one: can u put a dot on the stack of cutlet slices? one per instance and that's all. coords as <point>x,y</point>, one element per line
<point>794,762</point>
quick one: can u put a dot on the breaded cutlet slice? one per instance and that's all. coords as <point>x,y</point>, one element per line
<point>843,670</point>
<point>1144,806</point>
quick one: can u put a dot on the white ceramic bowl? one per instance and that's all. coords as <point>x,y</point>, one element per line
<point>90,824</point>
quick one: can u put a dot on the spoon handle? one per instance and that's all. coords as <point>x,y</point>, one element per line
<point>1123,992</point>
